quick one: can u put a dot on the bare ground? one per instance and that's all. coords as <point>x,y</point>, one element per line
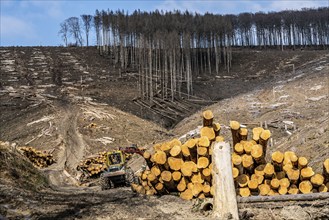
<point>70,102</point>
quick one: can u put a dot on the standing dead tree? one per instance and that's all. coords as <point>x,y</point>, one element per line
<point>86,19</point>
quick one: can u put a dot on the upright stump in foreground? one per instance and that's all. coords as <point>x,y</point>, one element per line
<point>225,203</point>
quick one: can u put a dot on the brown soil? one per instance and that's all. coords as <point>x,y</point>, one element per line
<point>71,101</point>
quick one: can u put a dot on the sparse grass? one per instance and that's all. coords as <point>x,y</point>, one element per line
<point>17,170</point>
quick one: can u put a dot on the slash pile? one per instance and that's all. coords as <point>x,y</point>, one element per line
<point>37,157</point>
<point>285,174</point>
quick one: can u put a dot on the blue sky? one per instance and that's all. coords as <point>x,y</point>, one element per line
<point>36,23</point>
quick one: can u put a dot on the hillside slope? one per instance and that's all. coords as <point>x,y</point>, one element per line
<point>301,99</point>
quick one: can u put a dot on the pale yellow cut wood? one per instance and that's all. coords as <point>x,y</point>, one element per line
<point>157,147</point>
<point>216,127</point>
<point>317,180</point>
<point>175,163</point>
<point>273,193</point>
<point>165,147</point>
<point>282,190</point>
<point>206,188</point>
<point>305,187</point>
<point>208,117</point>
<point>264,189</point>
<point>263,139</point>
<point>208,132</point>
<point>268,170</point>
<point>243,133</point>
<point>197,178</point>
<point>275,183</point>
<point>219,139</point>
<point>185,151</point>
<point>253,184</point>
<point>182,185</point>
<point>156,170</point>
<point>204,142</point>
<point>203,162</point>
<point>174,142</point>
<point>202,151</point>
<point>235,128</point>
<point>235,172</point>
<point>293,175</point>
<point>244,192</point>
<point>175,151</point>
<point>259,170</point>
<point>256,133</point>
<point>176,175</point>
<point>293,189</point>
<point>259,178</point>
<point>247,161</point>
<point>191,143</point>
<point>197,189</point>
<point>187,194</point>
<point>306,173</point>
<point>257,153</point>
<point>284,182</point>
<point>188,168</point>
<point>302,162</point>
<point>160,157</point>
<point>247,146</point>
<point>238,148</point>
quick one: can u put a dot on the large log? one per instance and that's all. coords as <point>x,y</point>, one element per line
<point>306,173</point>
<point>256,133</point>
<point>147,157</point>
<point>175,163</point>
<point>225,204</point>
<point>235,129</point>
<point>208,132</point>
<point>263,139</point>
<point>305,187</point>
<point>317,180</point>
<point>277,159</point>
<point>207,118</point>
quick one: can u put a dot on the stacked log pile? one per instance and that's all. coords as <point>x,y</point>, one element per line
<point>186,168</point>
<point>37,157</point>
<point>93,165</point>
<point>285,173</point>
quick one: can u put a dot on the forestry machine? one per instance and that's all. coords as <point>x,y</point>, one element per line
<point>118,173</point>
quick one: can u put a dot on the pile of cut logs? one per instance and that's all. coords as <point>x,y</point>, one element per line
<point>285,174</point>
<point>37,157</point>
<point>182,167</point>
<point>186,168</point>
<point>93,165</point>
